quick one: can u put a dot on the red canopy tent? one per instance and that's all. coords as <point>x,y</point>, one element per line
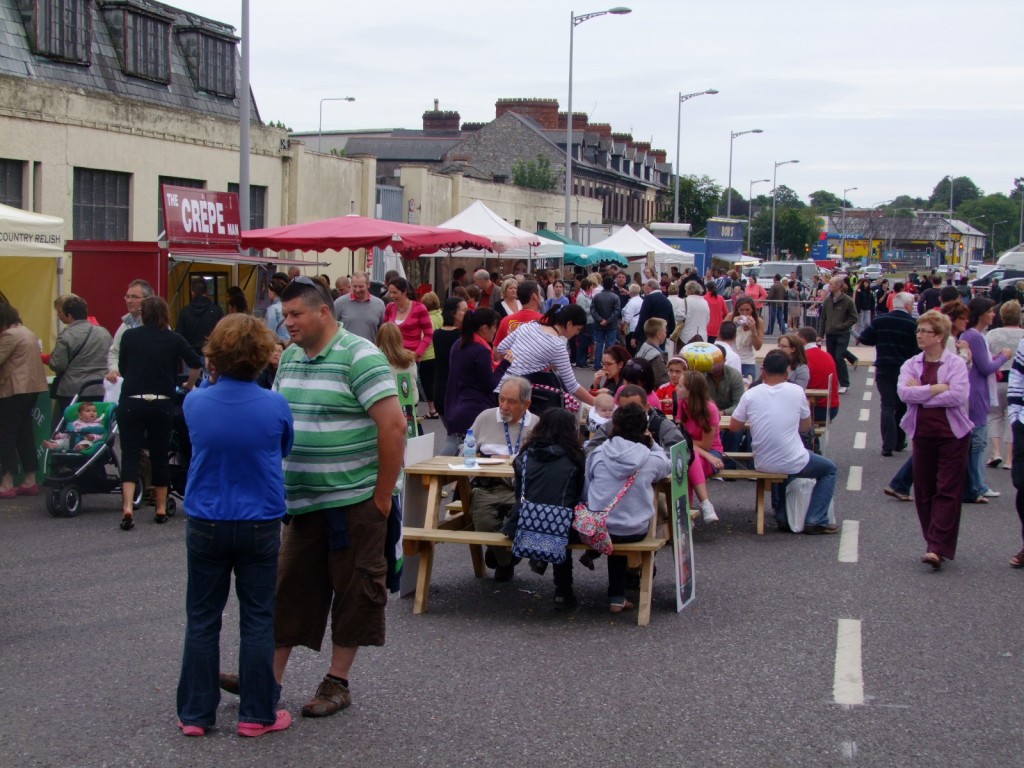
<point>352,232</point>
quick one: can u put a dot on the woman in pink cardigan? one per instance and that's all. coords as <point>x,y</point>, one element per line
<point>410,316</point>
<point>935,387</point>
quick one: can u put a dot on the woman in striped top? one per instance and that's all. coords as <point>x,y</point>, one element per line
<point>543,345</point>
<point>410,316</point>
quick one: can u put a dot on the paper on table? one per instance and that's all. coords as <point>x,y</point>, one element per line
<point>481,462</point>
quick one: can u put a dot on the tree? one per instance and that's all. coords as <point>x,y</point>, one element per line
<point>906,201</point>
<point>279,124</point>
<point>826,202</point>
<point>698,201</point>
<point>739,203</point>
<point>963,190</point>
<point>534,174</point>
<point>796,229</point>
<point>787,198</point>
<point>993,211</point>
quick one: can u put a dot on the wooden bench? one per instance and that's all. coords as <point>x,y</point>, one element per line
<point>765,481</point>
<point>421,541</point>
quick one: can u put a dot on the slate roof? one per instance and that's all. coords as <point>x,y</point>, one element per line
<point>388,148</point>
<point>104,73</point>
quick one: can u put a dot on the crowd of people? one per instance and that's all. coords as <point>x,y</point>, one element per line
<point>298,421</point>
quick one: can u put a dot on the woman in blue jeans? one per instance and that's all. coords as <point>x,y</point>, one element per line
<point>235,502</point>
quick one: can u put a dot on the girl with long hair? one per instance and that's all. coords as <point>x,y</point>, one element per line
<point>698,416</point>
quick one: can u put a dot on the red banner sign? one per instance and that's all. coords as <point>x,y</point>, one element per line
<point>198,216</point>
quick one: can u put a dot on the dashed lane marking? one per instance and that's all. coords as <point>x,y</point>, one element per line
<point>869,382</point>
<point>854,480</point>
<point>871,369</point>
<point>860,441</point>
<point>848,682</point>
<point>867,396</point>
<point>865,414</point>
<point>849,541</point>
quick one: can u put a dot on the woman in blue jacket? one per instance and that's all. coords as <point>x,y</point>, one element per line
<point>472,375</point>
<point>235,502</point>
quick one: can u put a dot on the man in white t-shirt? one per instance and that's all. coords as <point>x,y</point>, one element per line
<point>727,337</point>
<point>776,412</point>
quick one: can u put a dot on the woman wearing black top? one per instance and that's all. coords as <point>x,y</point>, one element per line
<point>445,338</point>
<point>149,362</point>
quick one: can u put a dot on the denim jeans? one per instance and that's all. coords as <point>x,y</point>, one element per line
<point>776,314</point>
<point>903,480</point>
<point>893,409</point>
<point>583,339</point>
<point>837,344</point>
<point>216,548</point>
<point>976,485</point>
<point>603,338</point>
<point>824,473</point>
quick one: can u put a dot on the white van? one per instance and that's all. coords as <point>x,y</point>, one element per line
<point>1012,258</point>
<point>766,272</point>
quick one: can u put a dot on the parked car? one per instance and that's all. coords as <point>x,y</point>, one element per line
<point>1005,276</point>
<point>873,271</point>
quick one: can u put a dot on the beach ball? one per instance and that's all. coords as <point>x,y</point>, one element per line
<point>700,356</point>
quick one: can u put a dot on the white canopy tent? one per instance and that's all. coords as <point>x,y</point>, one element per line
<point>511,241</point>
<point>637,245</point>
<point>31,267</point>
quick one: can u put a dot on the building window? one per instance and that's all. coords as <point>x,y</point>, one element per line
<point>217,66</point>
<point>172,181</point>
<point>100,204</point>
<point>257,205</point>
<point>12,183</point>
<point>62,28</point>
<point>147,47</point>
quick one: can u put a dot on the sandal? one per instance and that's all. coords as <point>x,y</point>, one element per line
<point>127,522</point>
<point>994,462</point>
<point>1017,561</point>
<point>932,559</point>
<point>619,605</point>
<point>433,415</point>
<point>160,519</point>
<point>981,500</point>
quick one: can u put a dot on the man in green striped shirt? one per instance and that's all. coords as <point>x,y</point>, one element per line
<point>339,479</point>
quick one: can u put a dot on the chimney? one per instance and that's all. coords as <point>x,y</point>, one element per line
<point>623,138</point>
<point>604,130</point>
<point>472,127</point>
<point>643,146</point>
<point>659,155</point>
<point>441,121</point>
<point>579,121</point>
<point>542,111</point>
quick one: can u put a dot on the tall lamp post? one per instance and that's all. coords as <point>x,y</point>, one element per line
<point>775,173</point>
<point>994,225</point>
<point>575,21</point>
<point>320,128</point>
<point>732,136</point>
<point>244,142</point>
<point>842,226</point>
<point>750,205</point>
<point>679,125</point>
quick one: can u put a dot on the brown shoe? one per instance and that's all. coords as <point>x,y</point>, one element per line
<point>818,530</point>
<point>331,696</point>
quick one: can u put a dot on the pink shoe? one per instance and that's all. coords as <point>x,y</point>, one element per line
<point>283,722</point>
<point>27,490</point>
<point>192,730</point>
<point>8,494</point>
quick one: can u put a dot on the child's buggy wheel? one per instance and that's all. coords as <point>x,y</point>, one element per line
<point>71,501</point>
<point>140,494</point>
<point>53,503</point>
<point>171,506</point>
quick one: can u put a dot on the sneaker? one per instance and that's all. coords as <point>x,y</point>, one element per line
<point>330,697</point>
<point>565,599</point>
<point>229,683</point>
<point>707,511</point>
<point>504,573</point>
<point>191,730</point>
<point>990,494</point>
<point>283,722</point>
<point>843,390</point>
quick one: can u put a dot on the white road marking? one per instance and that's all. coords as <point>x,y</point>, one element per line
<point>864,414</point>
<point>848,750</point>
<point>848,682</point>
<point>860,441</point>
<point>867,396</point>
<point>848,541</point>
<point>869,382</point>
<point>854,480</point>
<point>871,369</point>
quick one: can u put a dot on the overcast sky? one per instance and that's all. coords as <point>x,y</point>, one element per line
<point>883,95</point>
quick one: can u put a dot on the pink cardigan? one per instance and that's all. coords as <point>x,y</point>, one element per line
<point>417,330</point>
<point>952,371</point>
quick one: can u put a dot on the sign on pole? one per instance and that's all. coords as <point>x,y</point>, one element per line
<point>682,540</point>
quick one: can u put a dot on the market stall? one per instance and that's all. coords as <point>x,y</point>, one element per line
<point>31,267</point>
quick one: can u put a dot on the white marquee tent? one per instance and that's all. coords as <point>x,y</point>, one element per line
<point>31,256</point>
<point>512,242</point>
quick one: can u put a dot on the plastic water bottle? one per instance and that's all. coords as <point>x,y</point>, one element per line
<point>469,451</point>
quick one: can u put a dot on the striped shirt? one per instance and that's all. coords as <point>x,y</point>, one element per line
<point>333,461</point>
<point>1015,387</point>
<point>535,351</point>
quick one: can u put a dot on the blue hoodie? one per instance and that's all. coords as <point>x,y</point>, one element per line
<point>608,468</point>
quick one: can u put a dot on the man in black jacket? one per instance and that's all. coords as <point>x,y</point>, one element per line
<point>655,304</point>
<point>606,311</point>
<point>894,337</point>
<point>196,321</point>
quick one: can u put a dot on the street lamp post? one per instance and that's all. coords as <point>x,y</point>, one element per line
<point>679,124</point>
<point>320,129</point>
<point>244,141</point>
<point>750,205</point>
<point>732,136</point>
<point>574,21</point>
<point>994,225</point>
<point>842,226</point>
<point>771,253</point>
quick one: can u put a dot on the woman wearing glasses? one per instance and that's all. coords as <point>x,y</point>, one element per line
<point>935,387</point>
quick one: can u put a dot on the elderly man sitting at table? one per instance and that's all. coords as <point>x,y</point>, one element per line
<point>500,432</point>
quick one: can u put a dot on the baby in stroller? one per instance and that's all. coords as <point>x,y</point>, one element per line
<point>85,430</point>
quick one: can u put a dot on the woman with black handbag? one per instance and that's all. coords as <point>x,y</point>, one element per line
<point>549,472</point>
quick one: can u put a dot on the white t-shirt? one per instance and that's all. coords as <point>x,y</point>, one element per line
<point>732,358</point>
<point>773,414</point>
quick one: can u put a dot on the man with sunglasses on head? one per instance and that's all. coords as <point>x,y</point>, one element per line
<point>339,479</point>
<point>137,291</point>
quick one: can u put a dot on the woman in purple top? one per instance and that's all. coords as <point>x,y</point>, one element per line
<point>934,386</point>
<point>472,375</point>
<point>983,368</point>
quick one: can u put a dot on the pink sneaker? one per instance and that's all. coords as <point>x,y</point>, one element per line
<point>192,730</point>
<point>283,722</point>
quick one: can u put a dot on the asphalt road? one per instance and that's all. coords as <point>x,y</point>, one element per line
<point>91,623</point>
